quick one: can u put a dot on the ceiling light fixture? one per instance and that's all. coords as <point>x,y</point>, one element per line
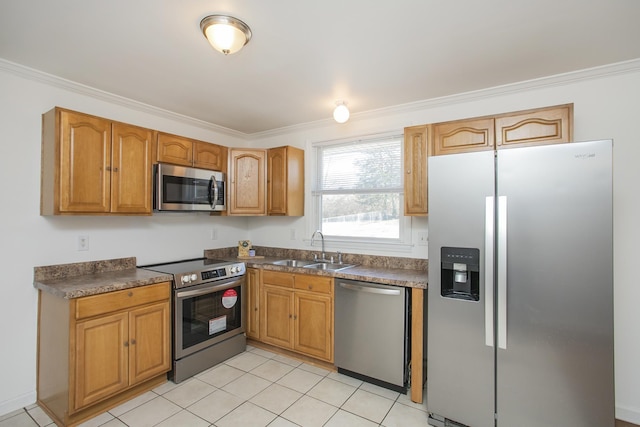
<point>225,33</point>
<point>341,112</point>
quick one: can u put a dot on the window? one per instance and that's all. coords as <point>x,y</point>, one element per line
<point>358,192</point>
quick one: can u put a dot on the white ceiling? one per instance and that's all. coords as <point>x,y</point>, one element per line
<point>307,54</point>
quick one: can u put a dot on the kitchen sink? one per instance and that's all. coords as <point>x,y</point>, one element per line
<point>328,266</point>
<point>292,263</point>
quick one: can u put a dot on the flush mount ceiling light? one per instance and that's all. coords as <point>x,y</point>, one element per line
<point>225,33</point>
<point>341,112</point>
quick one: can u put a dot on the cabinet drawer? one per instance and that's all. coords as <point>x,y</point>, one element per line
<point>278,279</point>
<point>313,283</point>
<point>120,300</point>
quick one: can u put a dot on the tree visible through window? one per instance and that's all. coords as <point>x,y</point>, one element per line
<point>359,188</point>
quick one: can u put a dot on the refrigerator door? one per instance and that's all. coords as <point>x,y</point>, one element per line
<point>557,367</point>
<point>460,372</point>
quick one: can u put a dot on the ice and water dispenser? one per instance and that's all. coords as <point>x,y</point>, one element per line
<point>460,273</point>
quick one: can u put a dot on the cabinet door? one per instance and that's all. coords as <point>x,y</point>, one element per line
<point>276,181</point>
<point>253,303</point>
<point>131,170</point>
<point>416,150</point>
<point>553,125</point>
<point>248,182</point>
<point>85,163</point>
<point>276,311</point>
<point>175,149</point>
<point>149,342</point>
<point>101,358</point>
<point>313,325</point>
<point>463,136</point>
<point>285,181</point>
<point>209,156</point>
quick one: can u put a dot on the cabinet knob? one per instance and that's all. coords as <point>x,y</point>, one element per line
<point>408,171</point>
<point>290,316</point>
<point>130,294</point>
<point>115,169</point>
<point>255,309</point>
<point>310,287</point>
<point>126,343</point>
<point>133,342</point>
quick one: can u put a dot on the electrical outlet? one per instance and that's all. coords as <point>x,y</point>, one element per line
<point>83,242</point>
<point>214,234</point>
<point>423,238</point>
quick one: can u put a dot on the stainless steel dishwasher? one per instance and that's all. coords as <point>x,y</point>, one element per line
<point>371,332</point>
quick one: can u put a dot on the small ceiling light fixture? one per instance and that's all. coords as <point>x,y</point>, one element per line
<point>341,112</point>
<point>225,33</point>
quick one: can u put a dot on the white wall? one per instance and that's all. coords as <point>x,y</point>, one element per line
<point>605,107</point>
<point>28,239</point>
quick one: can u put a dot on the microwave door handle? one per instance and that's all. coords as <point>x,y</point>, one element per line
<point>213,198</point>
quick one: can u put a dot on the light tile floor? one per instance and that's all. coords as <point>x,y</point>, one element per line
<point>256,388</point>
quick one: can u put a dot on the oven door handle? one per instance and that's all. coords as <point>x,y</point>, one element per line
<point>213,192</point>
<point>208,290</point>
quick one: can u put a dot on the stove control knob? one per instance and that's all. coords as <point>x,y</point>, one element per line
<point>185,279</point>
<point>194,277</point>
<point>232,269</point>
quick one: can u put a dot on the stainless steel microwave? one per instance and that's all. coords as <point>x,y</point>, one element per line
<point>180,188</point>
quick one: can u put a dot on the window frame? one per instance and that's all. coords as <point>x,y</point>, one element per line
<point>400,244</point>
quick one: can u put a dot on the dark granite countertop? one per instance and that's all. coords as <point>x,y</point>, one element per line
<point>91,278</point>
<point>406,272</point>
<point>409,278</point>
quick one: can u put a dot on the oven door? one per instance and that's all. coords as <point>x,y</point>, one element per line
<point>207,314</point>
<point>179,188</point>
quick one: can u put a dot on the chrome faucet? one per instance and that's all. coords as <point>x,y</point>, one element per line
<point>322,237</point>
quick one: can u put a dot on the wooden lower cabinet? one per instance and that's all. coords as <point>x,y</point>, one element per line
<point>296,313</point>
<point>253,303</point>
<point>95,352</point>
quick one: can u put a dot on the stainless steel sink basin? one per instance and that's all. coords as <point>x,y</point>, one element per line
<point>328,266</point>
<point>292,263</point>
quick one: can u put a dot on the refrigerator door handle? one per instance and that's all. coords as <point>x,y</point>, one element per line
<point>489,238</point>
<point>502,272</point>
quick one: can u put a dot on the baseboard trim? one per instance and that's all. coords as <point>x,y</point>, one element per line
<point>628,415</point>
<point>18,402</point>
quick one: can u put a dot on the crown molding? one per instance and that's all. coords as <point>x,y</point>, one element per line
<point>625,67</point>
<point>52,80</point>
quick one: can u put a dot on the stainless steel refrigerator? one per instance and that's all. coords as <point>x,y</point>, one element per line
<point>520,299</point>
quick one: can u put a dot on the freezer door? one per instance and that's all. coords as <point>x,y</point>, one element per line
<point>460,365</point>
<point>555,367</point>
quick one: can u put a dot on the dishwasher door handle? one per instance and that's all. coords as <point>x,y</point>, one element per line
<point>369,289</point>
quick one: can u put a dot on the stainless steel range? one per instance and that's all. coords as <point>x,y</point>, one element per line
<point>207,310</point>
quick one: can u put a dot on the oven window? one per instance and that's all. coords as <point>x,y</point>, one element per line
<point>207,316</point>
<point>178,189</point>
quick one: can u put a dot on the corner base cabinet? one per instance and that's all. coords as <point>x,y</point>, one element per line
<point>95,352</point>
<point>296,313</point>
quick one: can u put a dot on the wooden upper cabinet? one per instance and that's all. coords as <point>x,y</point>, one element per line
<point>175,149</point>
<point>132,169</point>
<point>541,126</point>
<point>85,162</point>
<point>463,136</point>
<point>285,181</point>
<point>247,182</point>
<point>551,125</point>
<point>416,150</point>
<point>179,150</point>
<point>209,156</point>
<point>92,165</point>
